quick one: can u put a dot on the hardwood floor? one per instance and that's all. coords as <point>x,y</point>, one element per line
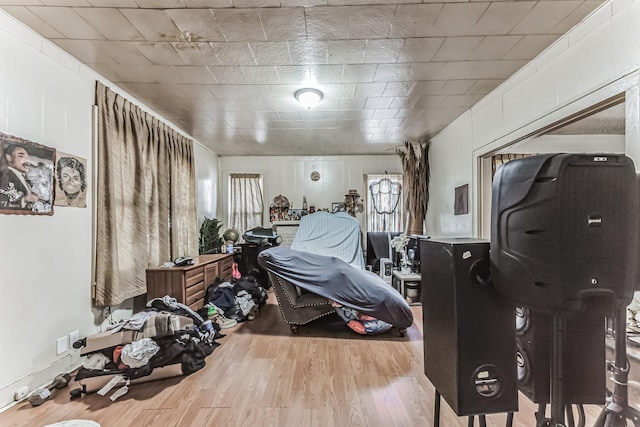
<point>262,375</point>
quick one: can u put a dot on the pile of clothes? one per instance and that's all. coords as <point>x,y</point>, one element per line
<point>238,301</point>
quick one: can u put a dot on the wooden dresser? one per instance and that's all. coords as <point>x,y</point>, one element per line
<point>189,284</point>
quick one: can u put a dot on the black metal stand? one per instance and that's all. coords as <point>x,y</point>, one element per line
<point>617,411</point>
<point>470,423</point>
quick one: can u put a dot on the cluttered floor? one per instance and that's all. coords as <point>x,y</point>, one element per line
<point>263,375</point>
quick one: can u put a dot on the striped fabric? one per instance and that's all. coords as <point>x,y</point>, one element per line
<point>331,234</point>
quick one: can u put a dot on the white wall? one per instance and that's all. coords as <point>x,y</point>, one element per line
<point>596,60</point>
<point>290,176</point>
<point>45,261</point>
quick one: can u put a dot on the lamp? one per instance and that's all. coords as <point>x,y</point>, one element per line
<point>308,97</point>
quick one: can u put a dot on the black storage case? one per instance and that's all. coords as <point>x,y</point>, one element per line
<point>564,232</point>
<point>469,336</point>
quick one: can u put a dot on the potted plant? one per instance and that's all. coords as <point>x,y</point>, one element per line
<point>210,240</point>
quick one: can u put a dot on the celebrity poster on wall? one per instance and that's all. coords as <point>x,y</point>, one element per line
<point>71,187</point>
<point>26,176</point>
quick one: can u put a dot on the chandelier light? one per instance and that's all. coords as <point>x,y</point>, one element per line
<point>308,97</point>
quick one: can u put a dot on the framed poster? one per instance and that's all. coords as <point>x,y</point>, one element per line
<point>461,201</point>
<point>71,181</point>
<point>26,176</point>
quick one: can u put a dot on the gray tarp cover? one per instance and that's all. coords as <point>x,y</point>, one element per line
<point>336,280</point>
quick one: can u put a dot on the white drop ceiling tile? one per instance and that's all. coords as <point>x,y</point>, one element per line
<point>277,105</point>
<point>352,103</point>
<point>292,74</point>
<point>354,73</point>
<point>67,22</point>
<point>110,23</point>
<point>255,3</point>
<point>284,23</point>
<point>370,22</point>
<point>160,53</point>
<point>195,74</point>
<point>279,124</point>
<point>457,70</point>
<point>496,69</point>
<point>196,25</point>
<point>327,23</point>
<point>196,53</point>
<point>484,86</point>
<point>207,4</point>
<point>226,91</point>
<point>113,3</point>
<point>456,87</point>
<point>366,90</point>
<point>33,21</point>
<point>302,3</point>
<point>545,16</point>
<point>290,115</point>
<point>457,48</point>
<point>154,25</point>
<point>240,24</point>
<point>389,113</point>
<point>461,100</point>
<point>270,53</point>
<point>339,90</point>
<point>458,19</point>
<point>427,70</point>
<point>370,123</point>
<point>123,52</point>
<point>66,3</point>
<point>400,102</point>
<point>393,73</point>
<point>501,17</point>
<point>261,75</point>
<point>399,88</point>
<point>420,49</point>
<point>326,73</point>
<point>227,75</point>
<point>414,20</point>
<point>233,53</point>
<point>378,103</point>
<point>427,101</point>
<point>530,46</point>
<point>308,52</point>
<point>159,4</point>
<point>84,50</point>
<point>128,73</point>
<point>391,122</point>
<point>495,47</point>
<point>578,15</point>
<point>345,51</point>
<point>382,51</point>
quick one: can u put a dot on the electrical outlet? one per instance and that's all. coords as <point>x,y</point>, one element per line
<point>21,393</point>
<point>62,344</point>
<point>73,337</point>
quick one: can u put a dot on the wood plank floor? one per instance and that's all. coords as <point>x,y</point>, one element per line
<point>262,375</point>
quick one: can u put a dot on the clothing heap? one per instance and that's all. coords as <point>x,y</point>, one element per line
<point>239,300</point>
<point>166,339</point>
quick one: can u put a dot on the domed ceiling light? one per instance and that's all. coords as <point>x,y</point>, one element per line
<point>308,97</point>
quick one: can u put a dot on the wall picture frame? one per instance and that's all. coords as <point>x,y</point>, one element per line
<point>461,200</point>
<point>26,176</point>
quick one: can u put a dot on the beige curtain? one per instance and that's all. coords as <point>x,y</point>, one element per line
<point>146,210</point>
<point>246,201</point>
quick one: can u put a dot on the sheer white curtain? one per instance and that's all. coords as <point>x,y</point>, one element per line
<point>246,206</point>
<point>385,210</point>
<point>146,210</point>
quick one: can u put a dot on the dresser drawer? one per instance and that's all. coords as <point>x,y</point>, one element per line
<point>194,293</point>
<point>226,267</point>
<point>194,276</point>
<point>210,274</point>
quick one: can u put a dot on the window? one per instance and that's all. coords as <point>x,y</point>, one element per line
<point>245,201</point>
<point>385,209</point>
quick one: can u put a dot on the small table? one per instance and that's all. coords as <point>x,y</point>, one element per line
<point>402,279</point>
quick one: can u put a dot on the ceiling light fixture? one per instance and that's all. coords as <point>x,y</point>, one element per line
<point>308,97</point>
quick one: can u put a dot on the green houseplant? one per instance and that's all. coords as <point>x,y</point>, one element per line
<point>210,240</point>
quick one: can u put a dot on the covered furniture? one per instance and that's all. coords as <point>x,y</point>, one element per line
<point>304,283</point>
